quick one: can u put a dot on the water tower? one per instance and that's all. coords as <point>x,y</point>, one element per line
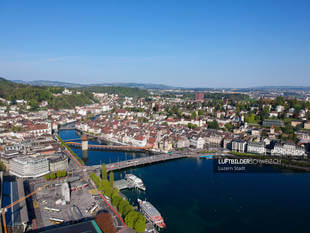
<point>84,142</point>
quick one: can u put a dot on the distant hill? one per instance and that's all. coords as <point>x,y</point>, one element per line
<point>35,94</point>
<point>122,89</point>
<point>49,83</point>
<point>159,86</point>
<point>77,85</point>
<point>283,88</point>
<point>138,85</point>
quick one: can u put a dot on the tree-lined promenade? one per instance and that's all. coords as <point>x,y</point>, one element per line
<point>133,219</point>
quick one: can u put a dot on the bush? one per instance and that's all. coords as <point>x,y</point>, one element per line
<point>47,176</point>
<point>61,173</point>
<point>53,175</point>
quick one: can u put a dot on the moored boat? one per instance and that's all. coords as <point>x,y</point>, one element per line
<point>151,213</point>
<point>136,181</point>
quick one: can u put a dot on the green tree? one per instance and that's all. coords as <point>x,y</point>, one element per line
<point>104,175</point>
<point>140,223</point>
<point>200,112</point>
<point>213,125</point>
<point>193,115</point>
<point>116,199</point>
<point>279,100</point>
<point>127,209</point>
<point>250,118</point>
<point>95,179</point>
<point>111,178</point>
<point>192,126</point>
<point>228,126</point>
<point>121,206</point>
<point>131,218</point>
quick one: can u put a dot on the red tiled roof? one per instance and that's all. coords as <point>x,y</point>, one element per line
<point>139,138</point>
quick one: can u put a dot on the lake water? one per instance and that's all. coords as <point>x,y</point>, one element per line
<point>192,198</point>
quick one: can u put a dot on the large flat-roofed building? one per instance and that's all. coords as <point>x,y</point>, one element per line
<point>7,156</point>
<point>29,167</point>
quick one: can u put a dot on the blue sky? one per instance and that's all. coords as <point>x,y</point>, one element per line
<point>233,43</point>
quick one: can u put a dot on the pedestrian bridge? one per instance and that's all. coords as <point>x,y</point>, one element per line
<point>109,147</point>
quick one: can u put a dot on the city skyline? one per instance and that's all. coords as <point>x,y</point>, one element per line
<point>201,44</point>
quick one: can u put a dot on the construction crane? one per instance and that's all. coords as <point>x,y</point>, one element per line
<point>4,209</point>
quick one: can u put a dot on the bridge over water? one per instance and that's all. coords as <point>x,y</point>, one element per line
<point>139,162</point>
<point>109,147</point>
<point>67,126</point>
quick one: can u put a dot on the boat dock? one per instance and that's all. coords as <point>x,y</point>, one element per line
<point>123,184</point>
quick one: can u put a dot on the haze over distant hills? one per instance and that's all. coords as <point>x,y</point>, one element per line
<point>156,86</point>
<point>75,85</point>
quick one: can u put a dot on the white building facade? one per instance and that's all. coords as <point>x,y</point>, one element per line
<point>288,150</point>
<point>256,148</point>
<point>29,167</point>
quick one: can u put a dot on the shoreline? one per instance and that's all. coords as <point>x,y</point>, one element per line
<point>288,164</point>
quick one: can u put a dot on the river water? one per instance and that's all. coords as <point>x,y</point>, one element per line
<point>192,198</point>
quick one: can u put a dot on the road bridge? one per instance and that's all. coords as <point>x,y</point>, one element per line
<point>139,162</point>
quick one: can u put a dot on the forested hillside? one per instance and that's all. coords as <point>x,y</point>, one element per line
<point>36,94</point>
<point>121,91</point>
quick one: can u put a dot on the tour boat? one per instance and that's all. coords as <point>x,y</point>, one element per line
<point>151,213</point>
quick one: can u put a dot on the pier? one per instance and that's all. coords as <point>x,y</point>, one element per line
<point>123,184</point>
<point>139,162</point>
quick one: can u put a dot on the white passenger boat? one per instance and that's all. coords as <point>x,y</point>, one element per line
<point>136,181</point>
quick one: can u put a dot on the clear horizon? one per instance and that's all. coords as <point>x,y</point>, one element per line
<point>211,44</point>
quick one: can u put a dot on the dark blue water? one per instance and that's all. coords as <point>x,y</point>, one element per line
<point>192,198</point>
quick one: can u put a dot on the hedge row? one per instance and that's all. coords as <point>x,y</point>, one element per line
<point>54,175</point>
